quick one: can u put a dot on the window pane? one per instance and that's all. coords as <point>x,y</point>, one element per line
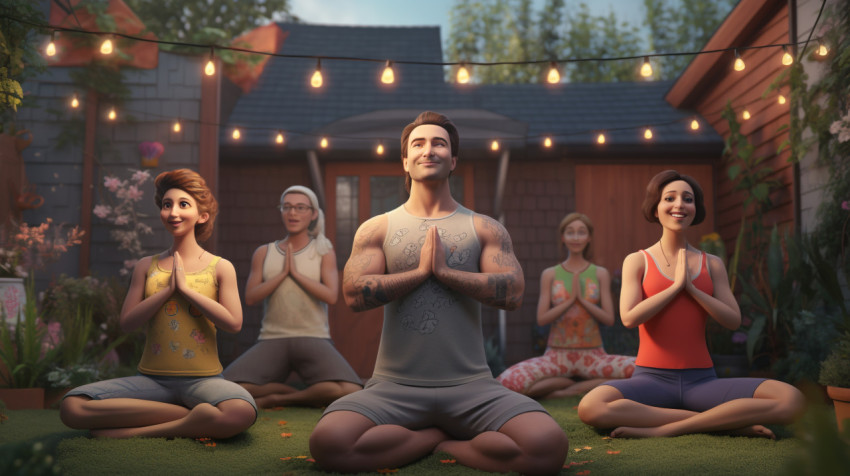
<point>387,193</point>
<point>347,189</point>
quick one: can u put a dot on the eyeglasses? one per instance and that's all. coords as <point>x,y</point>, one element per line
<point>300,208</point>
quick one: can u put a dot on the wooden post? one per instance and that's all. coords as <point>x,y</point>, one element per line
<point>87,184</point>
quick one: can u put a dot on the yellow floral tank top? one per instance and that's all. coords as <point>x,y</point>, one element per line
<point>180,340</point>
<point>576,329</point>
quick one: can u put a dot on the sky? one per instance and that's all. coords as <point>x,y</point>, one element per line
<point>424,12</point>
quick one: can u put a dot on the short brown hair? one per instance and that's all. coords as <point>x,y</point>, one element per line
<point>192,183</point>
<point>562,248</point>
<point>434,118</point>
<point>657,184</point>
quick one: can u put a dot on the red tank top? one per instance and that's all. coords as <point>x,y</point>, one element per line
<point>675,337</point>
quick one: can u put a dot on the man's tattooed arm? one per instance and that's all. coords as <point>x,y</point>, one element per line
<point>501,282</point>
<point>365,284</point>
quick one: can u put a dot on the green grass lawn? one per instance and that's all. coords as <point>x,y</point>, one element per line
<point>278,444</point>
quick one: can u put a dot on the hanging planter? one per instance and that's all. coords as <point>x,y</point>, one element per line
<point>151,151</point>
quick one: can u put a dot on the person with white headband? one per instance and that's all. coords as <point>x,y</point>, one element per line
<point>295,278</point>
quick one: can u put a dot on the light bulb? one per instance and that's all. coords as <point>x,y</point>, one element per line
<point>554,77</point>
<point>388,77</point>
<point>547,142</point>
<point>745,115</point>
<point>209,69</point>
<point>51,47</point>
<point>739,62</point>
<point>106,47</point>
<point>822,49</point>
<point>494,146</point>
<point>462,75</point>
<point>694,125</point>
<point>112,114</point>
<point>647,134</point>
<point>176,127</point>
<point>781,99</point>
<point>646,69</point>
<point>787,59</point>
<point>279,138</point>
<point>600,139</point>
<point>324,143</point>
<point>75,103</point>
<point>316,81</point>
<point>236,134</point>
<point>380,149</point>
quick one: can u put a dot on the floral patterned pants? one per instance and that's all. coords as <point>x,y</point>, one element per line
<point>582,363</point>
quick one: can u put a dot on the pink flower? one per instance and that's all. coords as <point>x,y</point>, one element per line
<point>133,193</point>
<point>845,205</point>
<point>102,211</point>
<point>122,220</point>
<point>111,183</point>
<point>739,337</point>
<point>140,176</point>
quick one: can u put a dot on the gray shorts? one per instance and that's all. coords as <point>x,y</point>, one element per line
<point>272,360</point>
<point>185,391</point>
<point>462,411</point>
<point>690,389</point>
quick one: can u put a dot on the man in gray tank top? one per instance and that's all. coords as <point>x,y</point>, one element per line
<point>431,263</point>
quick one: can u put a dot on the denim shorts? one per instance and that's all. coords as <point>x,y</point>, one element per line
<point>184,391</point>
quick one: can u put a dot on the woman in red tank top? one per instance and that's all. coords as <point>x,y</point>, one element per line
<point>669,291</point>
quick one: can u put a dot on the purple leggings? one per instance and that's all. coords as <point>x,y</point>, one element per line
<point>689,389</point>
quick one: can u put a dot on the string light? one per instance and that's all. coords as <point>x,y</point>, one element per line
<point>554,77</point>
<point>316,81</point>
<point>75,103</point>
<point>177,127</point>
<point>787,59</point>
<point>323,143</point>
<point>646,69</point>
<point>739,62</point>
<point>745,115</point>
<point>494,146</point>
<point>694,125</point>
<point>600,139</point>
<point>380,149</point>
<point>647,134</point>
<point>388,77</point>
<point>106,46</point>
<point>547,142</point>
<point>112,114</point>
<point>822,49</point>
<point>279,138</point>
<point>237,134</point>
<point>209,69</point>
<point>462,74</point>
<point>781,99</point>
<point>51,47</point>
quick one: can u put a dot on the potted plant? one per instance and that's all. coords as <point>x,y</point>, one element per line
<point>24,357</point>
<point>835,374</point>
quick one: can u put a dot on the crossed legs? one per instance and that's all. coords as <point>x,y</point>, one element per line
<point>319,394</point>
<point>772,402</point>
<point>530,443</point>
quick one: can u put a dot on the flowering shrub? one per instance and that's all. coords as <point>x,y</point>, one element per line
<point>24,248</point>
<point>121,212</point>
<point>841,128</point>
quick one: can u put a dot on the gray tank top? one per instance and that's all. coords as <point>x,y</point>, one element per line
<point>432,337</point>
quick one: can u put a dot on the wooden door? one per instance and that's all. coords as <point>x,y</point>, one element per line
<point>612,195</point>
<point>354,193</point>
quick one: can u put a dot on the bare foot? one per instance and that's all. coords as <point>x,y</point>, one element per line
<point>757,431</point>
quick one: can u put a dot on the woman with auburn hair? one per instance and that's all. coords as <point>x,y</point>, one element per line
<point>180,296</point>
<point>575,297</point>
<point>669,291</point>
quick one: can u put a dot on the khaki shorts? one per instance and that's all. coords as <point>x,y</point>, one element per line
<point>463,411</point>
<point>272,360</point>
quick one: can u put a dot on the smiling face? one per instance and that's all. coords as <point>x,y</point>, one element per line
<point>429,154</point>
<point>179,212</point>
<point>576,237</point>
<point>297,212</point>
<point>677,208</point>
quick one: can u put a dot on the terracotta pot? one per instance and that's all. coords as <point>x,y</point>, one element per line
<point>53,397</point>
<point>841,398</point>
<point>23,398</point>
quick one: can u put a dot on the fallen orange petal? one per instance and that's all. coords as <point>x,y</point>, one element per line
<point>286,435</point>
<point>448,461</point>
<point>588,448</point>
<point>281,422</point>
<point>311,460</point>
<point>612,452</point>
<point>286,458</point>
<point>582,473</point>
<point>301,457</point>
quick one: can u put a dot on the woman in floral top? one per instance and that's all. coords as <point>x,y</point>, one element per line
<point>575,296</point>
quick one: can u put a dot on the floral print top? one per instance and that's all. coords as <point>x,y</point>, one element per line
<point>576,329</point>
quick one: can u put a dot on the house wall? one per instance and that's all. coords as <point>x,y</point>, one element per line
<point>157,97</point>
